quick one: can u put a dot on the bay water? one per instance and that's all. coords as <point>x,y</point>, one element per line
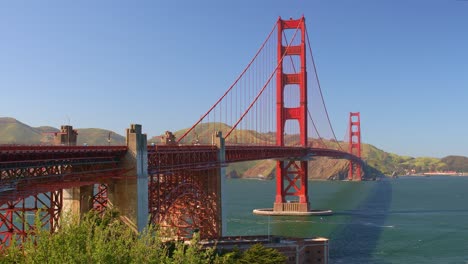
<point>404,220</point>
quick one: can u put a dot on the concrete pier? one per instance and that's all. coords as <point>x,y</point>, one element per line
<point>130,194</point>
<point>272,212</point>
<point>220,143</point>
<point>76,200</point>
<point>66,137</point>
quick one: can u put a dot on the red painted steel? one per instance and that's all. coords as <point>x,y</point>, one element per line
<point>18,216</point>
<point>29,170</point>
<point>101,198</point>
<point>184,182</point>
<point>292,174</point>
<point>355,145</point>
<point>184,201</point>
<point>246,153</point>
<point>38,174</point>
<point>184,189</point>
<point>162,158</point>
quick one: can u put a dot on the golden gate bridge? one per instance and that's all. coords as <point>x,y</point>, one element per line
<point>273,110</point>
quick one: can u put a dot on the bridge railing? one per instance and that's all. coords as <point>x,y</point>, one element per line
<point>164,158</point>
<point>246,153</point>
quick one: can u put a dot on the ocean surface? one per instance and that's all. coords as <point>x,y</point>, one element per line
<point>405,220</point>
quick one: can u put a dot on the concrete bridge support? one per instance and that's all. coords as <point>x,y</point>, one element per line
<point>66,137</point>
<point>76,200</point>
<point>220,142</point>
<point>129,195</point>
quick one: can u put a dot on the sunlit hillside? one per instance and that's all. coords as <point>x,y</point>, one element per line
<point>13,131</point>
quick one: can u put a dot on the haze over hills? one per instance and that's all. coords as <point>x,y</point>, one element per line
<point>378,161</point>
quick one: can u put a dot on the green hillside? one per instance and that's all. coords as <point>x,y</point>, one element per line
<point>456,163</point>
<point>97,136</point>
<point>13,131</point>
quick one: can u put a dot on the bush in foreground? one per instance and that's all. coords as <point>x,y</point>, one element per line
<point>95,239</point>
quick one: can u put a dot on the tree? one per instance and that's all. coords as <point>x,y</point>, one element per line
<point>262,255</point>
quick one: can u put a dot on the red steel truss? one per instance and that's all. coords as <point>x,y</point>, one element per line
<point>245,153</point>
<point>18,217</point>
<point>184,187</point>
<point>184,191</point>
<point>186,201</point>
<point>163,158</point>
<point>101,198</point>
<point>355,145</point>
<point>33,177</point>
<point>30,170</point>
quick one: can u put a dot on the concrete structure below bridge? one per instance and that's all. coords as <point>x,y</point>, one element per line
<point>129,194</point>
<point>272,212</point>
<point>297,250</point>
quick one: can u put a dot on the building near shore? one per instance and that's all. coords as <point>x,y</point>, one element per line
<point>297,250</point>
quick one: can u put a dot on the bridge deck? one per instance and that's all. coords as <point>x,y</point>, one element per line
<point>30,170</point>
<point>34,169</point>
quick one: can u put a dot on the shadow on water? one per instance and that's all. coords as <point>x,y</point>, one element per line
<point>357,240</point>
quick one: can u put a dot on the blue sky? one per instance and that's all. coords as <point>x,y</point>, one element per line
<point>402,64</point>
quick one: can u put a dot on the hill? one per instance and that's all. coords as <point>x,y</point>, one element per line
<point>99,137</point>
<point>13,131</point>
<point>378,162</point>
<point>456,163</point>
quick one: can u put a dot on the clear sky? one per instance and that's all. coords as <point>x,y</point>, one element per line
<point>402,63</point>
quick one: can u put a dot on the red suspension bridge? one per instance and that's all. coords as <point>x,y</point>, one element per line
<point>273,110</point>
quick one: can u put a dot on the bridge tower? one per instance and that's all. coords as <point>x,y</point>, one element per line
<point>291,175</point>
<point>354,134</point>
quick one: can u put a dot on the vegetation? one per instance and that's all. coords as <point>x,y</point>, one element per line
<point>456,163</point>
<point>387,163</point>
<point>108,240</point>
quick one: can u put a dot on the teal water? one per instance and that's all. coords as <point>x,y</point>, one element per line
<point>407,220</point>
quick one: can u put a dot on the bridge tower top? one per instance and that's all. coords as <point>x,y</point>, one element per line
<point>298,79</point>
<point>355,133</point>
<point>355,143</point>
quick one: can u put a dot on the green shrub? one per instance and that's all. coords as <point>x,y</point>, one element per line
<point>95,239</point>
